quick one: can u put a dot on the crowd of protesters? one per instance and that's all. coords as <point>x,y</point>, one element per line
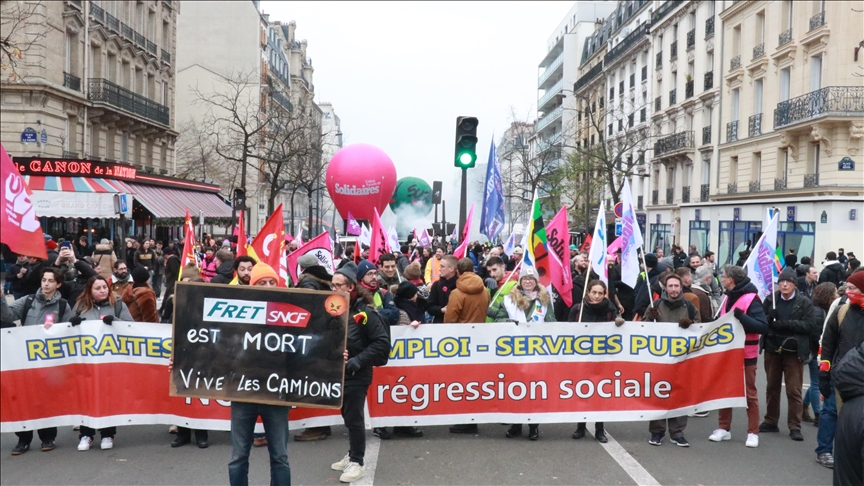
<point>812,320</point>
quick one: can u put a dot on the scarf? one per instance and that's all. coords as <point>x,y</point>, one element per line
<point>856,299</point>
<point>530,295</point>
<point>370,289</point>
<point>673,303</point>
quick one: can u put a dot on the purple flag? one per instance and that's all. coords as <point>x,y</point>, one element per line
<point>353,225</point>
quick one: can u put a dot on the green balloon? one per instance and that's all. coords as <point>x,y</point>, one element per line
<point>412,192</point>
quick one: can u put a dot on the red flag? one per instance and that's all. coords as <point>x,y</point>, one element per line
<point>269,244</point>
<point>19,227</point>
<point>318,246</point>
<point>557,240</point>
<point>460,250</point>
<point>241,235</point>
<point>378,242</point>
<point>586,244</point>
<point>188,256</point>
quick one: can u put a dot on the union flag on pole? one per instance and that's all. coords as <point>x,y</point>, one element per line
<point>269,245</point>
<point>241,236</point>
<point>188,257</point>
<point>378,244</point>
<point>19,227</point>
<point>462,249</point>
<point>557,240</point>
<point>537,244</point>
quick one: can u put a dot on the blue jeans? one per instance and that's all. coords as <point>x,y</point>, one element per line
<point>275,418</point>
<point>811,397</point>
<point>827,424</point>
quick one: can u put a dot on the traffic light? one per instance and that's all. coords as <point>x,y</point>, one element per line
<point>466,142</point>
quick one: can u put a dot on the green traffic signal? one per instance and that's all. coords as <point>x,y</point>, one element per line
<point>466,159</point>
<point>466,142</point>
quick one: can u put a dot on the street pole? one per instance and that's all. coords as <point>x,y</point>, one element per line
<point>463,202</point>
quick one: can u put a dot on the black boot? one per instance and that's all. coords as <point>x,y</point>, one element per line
<point>600,433</point>
<point>533,432</point>
<point>515,430</point>
<point>580,431</point>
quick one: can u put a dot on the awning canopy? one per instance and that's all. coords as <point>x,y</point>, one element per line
<point>74,197</point>
<point>164,202</point>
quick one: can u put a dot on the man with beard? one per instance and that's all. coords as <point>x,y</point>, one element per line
<point>671,307</point>
<point>243,267</point>
<point>121,278</point>
<point>499,284</point>
<point>439,295</point>
<point>695,263</point>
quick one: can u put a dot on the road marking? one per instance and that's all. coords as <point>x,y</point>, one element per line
<point>373,446</point>
<point>627,462</point>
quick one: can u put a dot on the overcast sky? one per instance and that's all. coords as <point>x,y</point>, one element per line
<point>399,73</point>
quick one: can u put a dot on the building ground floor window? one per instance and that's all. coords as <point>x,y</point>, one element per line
<point>661,236</point>
<point>800,236</point>
<point>736,237</point>
<point>699,233</point>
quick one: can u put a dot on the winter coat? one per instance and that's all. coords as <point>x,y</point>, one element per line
<point>368,341</point>
<point>144,258</point>
<point>439,296</point>
<point>172,271</point>
<point>409,310</point>
<point>142,304</point>
<point>16,284</point>
<point>799,326</point>
<point>386,282</point>
<point>314,278</point>
<point>224,273</point>
<point>832,272</point>
<point>208,269</point>
<point>603,311</point>
<point>753,320</point>
<point>119,286</point>
<point>848,378</point>
<point>839,338</point>
<point>105,308</point>
<point>679,259</point>
<point>791,260</point>
<point>643,296</point>
<point>40,308</point>
<point>519,307</point>
<point>82,251</point>
<point>675,310</point>
<point>32,279</point>
<point>386,307</point>
<point>402,263</point>
<point>470,300</point>
<point>706,305</point>
<point>105,257</point>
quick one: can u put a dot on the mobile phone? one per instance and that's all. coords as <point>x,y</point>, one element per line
<point>66,244</point>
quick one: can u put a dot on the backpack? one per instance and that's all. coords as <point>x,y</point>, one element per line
<point>28,304</point>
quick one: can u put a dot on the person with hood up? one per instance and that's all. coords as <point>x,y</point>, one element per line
<point>787,348</point>
<point>671,307</point>
<point>596,307</point>
<point>368,346</point>
<point>105,257</point>
<point>224,267</point>
<point>46,307</point>
<point>832,270</point>
<point>742,299</point>
<point>470,301</point>
<point>97,302</point>
<point>140,298</point>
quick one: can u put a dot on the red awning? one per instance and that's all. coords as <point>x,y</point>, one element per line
<point>164,202</point>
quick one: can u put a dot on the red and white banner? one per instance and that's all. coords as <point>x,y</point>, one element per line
<point>19,227</point>
<point>319,246</point>
<point>101,376</point>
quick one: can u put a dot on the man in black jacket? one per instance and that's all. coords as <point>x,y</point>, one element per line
<point>832,270</point>
<point>368,346</point>
<point>644,297</point>
<point>786,346</point>
<point>439,294</point>
<point>849,441</point>
<point>172,270</point>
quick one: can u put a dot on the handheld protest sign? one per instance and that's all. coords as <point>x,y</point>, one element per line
<point>259,344</point>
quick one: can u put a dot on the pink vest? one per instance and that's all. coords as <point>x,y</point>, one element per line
<point>751,340</point>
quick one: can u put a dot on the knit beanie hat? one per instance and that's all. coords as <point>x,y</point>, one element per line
<point>651,260</point>
<point>140,275</point>
<point>364,267</point>
<point>788,275</point>
<point>527,272</point>
<point>406,290</point>
<point>308,260</point>
<point>857,279</point>
<point>349,270</point>
<point>260,271</point>
<point>412,271</point>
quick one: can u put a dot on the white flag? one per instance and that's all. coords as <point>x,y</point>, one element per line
<point>631,239</point>
<point>760,263</point>
<point>365,235</point>
<point>510,244</point>
<point>597,254</point>
<point>392,239</point>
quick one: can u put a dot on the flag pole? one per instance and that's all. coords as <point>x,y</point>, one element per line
<point>584,291</point>
<point>505,281</point>
<point>647,281</point>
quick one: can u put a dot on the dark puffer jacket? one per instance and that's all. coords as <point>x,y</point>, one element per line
<point>224,273</point>
<point>368,341</point>
<point>799,326</point>
<point>314,278</point>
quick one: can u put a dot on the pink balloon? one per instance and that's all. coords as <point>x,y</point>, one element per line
<point>361,177</point>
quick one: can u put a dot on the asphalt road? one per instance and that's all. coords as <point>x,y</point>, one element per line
<point>142,455</point>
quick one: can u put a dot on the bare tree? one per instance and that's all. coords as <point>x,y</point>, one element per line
<point>197,158</point>
<point>20,29</point>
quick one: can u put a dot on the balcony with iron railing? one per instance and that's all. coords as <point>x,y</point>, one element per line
<point>732,188</point>
<point>759,51</point>
<point>113,22</point>
<point>670,195</point>
<point>755,186</point>
<point>673,95</point>
<point>550,93</point>
<point>97,12</point>
<point>688,89</point>
<point>842,101</point>
<point>553,142</point>
<point>704,192</point>
<point>735,63</point>
<point>588,76</point>
<point>104,91</point>
<point>673,50</point>
<point>784,38</point>
<point>709,80</point>
<point>638,35</point>
<point>551,69</point>
<point>550,117</point>
<point>664,10</point>
<point>709,27</point>
<point>151,47</point>
<point>817,20</point>
<point>71,81</point>
<point>673,143</point>
<point>691,39</point>
<point>754,125</point>
<point>811,180</point>
<point>779,183</point>
<point>655,197</point>
<point>732,131</point>
<point>127,31</point>
<point>685,194</point>
<point>706,135</point>
<point>280,98</point>
<point>166,56</point>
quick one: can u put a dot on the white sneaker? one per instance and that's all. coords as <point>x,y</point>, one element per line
<point>84,444</point>
<point>341,465</point>
<point>352,473</point>
<point>107,443</point>
<point>719,435</point>
<point>752,440</point>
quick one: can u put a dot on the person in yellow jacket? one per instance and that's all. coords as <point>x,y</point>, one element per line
<point>433,267</point>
